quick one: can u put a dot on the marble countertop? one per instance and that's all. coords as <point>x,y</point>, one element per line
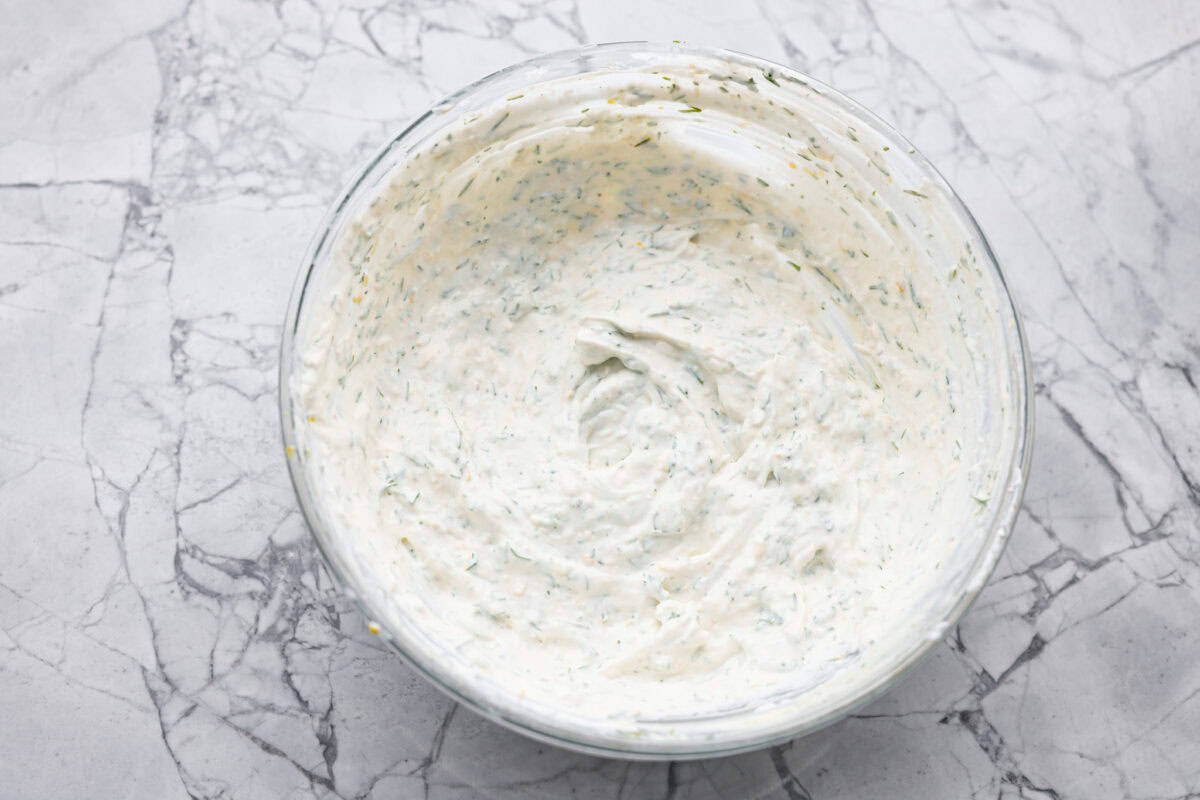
<point>166,628</point>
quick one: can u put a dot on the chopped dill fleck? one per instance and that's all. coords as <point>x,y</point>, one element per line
<point>642,142</point>
<point>915,193</point>
<point>499,122</point>
<point>689,110</point>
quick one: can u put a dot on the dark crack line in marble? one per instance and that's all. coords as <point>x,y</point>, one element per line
<point>1193,486</point>
<point>672,781</point>
<point>435,750</point>
<point>195,704</point>
<point>208,498</point>
<point>1147,68</point>
<point>993,746</point>
<point>1118,479</point>
<point>56,666</point>
<point>788,782</point>
<point>793,54</point>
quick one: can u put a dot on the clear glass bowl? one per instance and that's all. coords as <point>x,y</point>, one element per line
<point>716,734</point>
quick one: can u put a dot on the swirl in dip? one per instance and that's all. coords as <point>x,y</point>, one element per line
<point>654,392</point>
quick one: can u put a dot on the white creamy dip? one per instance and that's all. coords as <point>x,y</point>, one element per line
<point>654,392</point>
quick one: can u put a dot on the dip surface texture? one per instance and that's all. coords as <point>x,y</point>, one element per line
<point>649,393</point>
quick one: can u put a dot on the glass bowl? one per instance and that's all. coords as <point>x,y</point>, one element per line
<point>713,734</point>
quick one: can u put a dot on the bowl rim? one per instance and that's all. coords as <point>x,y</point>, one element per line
<point>530,724</point>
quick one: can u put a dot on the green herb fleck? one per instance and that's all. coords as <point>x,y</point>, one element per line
<point>499,122</point>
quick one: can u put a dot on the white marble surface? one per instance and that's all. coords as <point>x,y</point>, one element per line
<point>166,629</point>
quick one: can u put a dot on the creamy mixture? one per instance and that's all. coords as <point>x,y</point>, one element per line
<point>646,393</point>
